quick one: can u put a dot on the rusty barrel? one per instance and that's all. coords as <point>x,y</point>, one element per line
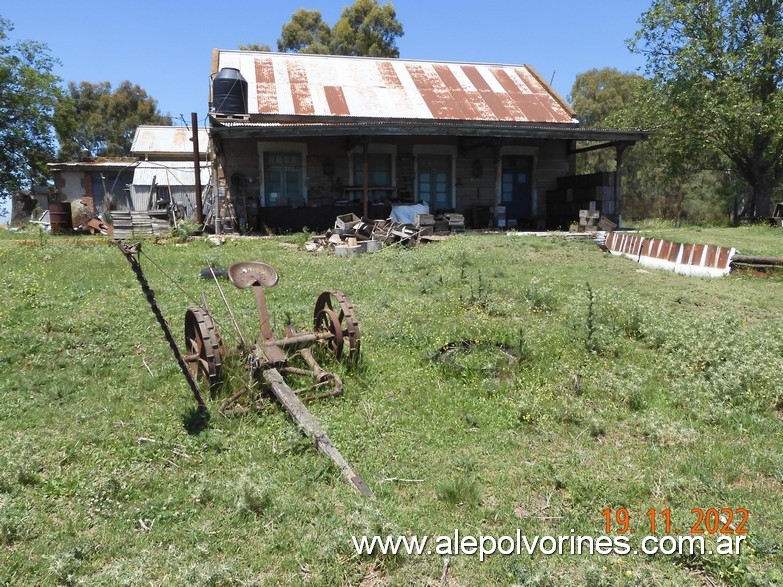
<point>60,217</point>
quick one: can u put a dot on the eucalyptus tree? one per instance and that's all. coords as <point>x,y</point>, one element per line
<point>93,118</point>
<point>716,68</point>
<point>306,32</point>
<point>29,90</point>
<point>365,28</point>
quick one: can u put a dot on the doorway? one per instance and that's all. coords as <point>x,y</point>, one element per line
<point>516,191</point>
<point>434,181</point>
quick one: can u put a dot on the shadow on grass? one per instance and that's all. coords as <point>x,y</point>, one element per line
<point>196,420</point>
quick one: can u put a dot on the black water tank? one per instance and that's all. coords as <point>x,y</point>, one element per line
<point>229,92</point>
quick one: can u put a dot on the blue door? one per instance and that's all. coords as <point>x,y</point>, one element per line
<point>434,181</point>
<point>517,188</point>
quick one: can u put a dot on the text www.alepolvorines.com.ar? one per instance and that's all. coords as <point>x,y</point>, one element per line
<point>572,544</point>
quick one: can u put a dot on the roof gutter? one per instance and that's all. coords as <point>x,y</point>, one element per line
<point>247,128</point>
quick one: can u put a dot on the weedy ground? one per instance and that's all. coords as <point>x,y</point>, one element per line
<point>588,384</point>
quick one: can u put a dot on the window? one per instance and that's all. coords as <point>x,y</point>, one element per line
<point>283,179</point>
<point>379,170</point>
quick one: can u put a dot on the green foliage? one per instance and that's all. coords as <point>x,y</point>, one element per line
<point>716,68</point>
<point>602,98</point>
<point>660,180</point>
<point>459,491</point>
<point>95,119</point>
<point>365,28</point>
<point>660,183</point>
<point>264,47</point>
<point>597,93</point>
<point>28,94</point>
<point>186,228</point>
<point>713,99</point>
<point>306,32</point>
<point>676,403</point>
<point>254,500</point>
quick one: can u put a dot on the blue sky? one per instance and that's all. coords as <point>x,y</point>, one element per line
<point>166,46</point>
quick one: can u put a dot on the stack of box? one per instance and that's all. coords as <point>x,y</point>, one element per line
<point>440,226</point>
<point>588,220</point>
<point>122,223</point>
<point>160,222</point>
<point>456,222</point>
<point>425,223</point>
<point>142,223</point>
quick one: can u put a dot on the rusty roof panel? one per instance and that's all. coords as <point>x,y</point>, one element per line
<point>491,98</point>
<point>335,99</point>
<point>285,84</point>
<point>434,91</point>
<point>300,89</point>
<point>265,87</point>
<point>167,139</point>
<point>467,109</point>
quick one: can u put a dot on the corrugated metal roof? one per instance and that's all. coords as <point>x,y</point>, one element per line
<point>287,84</point>
<point>171,173</point>
<point>167,139</point>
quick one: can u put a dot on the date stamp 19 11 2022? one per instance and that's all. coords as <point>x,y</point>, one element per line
<point>703,521</point>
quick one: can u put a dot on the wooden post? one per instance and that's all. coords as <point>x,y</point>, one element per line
<point>197,168</point>
<point>618,182</point>
<point>365,183</point>
<point>498,158</point>
<point>151,198</point>
<point>214,161</point>
<point>311,428</point>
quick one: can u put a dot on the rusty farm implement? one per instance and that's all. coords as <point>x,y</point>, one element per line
<point>268,359</point>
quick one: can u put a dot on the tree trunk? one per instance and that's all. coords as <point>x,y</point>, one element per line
<point>762,197</point>
<point>761,180</point>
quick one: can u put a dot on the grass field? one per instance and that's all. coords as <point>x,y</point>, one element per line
<point>592,384</point>
<point>748,240</point>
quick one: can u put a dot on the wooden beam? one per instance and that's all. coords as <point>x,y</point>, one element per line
<point>755,260</point>
<point>197,168</point>
<point>591,148</point>
<point>312,428</point>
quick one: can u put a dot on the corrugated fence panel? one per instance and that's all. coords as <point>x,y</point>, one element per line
<point>686,259</point>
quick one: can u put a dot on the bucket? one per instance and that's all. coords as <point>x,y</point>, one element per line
<point>60,217</point>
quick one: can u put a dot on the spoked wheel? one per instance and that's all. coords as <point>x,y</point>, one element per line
<point>334,315</point>
<point>205,347</point>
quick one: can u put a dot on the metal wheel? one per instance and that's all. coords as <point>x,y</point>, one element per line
<point>334,314</point>
<point>205,347</point>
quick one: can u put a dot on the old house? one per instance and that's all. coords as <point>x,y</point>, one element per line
<point>165,172</point>
<point>92,185</point>
<point>300,139</point>
<point>161,170</point>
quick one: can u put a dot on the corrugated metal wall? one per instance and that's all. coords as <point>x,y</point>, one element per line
<point>175,179</point>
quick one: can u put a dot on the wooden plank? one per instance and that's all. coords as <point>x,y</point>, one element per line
<point>606,225</point>
<point>754,260</point>
<point>312,428</point>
